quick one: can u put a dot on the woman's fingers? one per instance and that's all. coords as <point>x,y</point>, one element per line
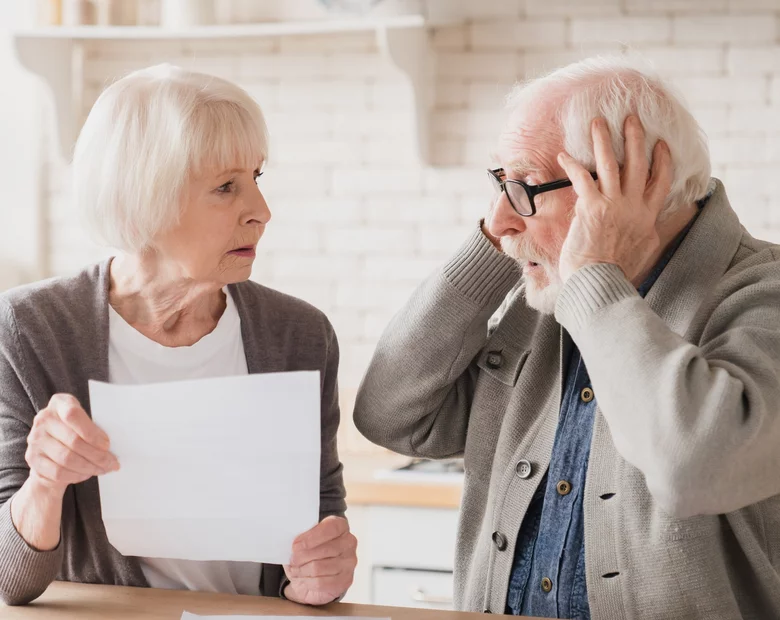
<point>101,459</point>
<point>65,446</point>
<point>346,544</point>
<point>319,568</point>
<point>52,473</point>
<point>66,458</point>
<point>326,530</point>
<point>72,414</point>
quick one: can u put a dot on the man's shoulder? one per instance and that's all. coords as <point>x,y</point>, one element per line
<point>755,258</point>
<point>751,284</point>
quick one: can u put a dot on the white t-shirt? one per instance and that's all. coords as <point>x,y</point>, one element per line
<point>134,358</point>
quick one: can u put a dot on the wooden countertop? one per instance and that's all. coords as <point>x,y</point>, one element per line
<point>75,601</point>
<point>363,488</point>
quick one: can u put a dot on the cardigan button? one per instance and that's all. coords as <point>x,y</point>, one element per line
<point>500,541</point>
<point>524,469</point>
<point>494,360</point>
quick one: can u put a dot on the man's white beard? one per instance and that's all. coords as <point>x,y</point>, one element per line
<point>541,298</point>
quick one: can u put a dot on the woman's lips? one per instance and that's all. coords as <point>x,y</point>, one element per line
<point>244,252</point>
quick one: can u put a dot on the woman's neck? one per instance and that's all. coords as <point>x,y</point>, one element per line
<point>163,303</point>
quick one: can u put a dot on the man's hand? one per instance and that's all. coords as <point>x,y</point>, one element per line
<point>323,563</point>
<point>615,221</point>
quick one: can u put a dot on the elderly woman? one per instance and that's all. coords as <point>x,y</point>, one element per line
<point>167,168</point>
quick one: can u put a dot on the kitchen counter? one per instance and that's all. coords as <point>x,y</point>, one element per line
<point>363,488</point>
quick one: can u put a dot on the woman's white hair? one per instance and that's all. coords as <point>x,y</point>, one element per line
<point>146,135</point>
<point>613,88</point>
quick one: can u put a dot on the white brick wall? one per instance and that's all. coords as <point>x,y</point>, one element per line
<point>630,30</point>
<point>357,222</point>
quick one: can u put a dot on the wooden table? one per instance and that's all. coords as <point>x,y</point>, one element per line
<point>75,601</point>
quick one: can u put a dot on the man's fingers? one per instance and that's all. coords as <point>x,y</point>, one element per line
<point>606,162</point>
<point>326,530</point>
<point>580,178</point>
<point>660,178</point>
<point>71,413</point>
<point>635,168</point>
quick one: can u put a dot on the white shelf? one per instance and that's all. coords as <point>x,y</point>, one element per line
<point>56,54</point>
<point>237,31</point>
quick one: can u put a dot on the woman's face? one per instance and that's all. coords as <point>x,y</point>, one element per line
<point>223,217</point>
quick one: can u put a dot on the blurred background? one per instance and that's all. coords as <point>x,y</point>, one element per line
<point>382,116</point>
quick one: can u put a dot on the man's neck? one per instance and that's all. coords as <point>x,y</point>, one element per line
<point>668,230</point>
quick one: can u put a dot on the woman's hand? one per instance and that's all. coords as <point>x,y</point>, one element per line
<point>66,447</point>
<point>322,564</point>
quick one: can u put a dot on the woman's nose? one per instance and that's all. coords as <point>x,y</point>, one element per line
<point>258,210</point>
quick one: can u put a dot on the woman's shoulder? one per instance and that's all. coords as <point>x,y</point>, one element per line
<point>262,304</point>
<point>59,299</point>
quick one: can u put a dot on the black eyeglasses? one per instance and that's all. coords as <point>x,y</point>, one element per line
<point>521,195</point>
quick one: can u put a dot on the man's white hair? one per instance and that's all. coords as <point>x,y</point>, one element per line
<point>613,88</point>
<point>146,135</point>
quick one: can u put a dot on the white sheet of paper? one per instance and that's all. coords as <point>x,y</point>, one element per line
<point>213,469</point>
<point>188,616</point>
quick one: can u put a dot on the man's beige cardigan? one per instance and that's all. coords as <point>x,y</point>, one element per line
<point>682,512</point>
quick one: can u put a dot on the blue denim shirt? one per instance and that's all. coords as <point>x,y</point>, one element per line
<point>548,571</point>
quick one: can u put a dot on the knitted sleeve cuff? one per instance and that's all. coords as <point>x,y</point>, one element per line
<point>480,271</point>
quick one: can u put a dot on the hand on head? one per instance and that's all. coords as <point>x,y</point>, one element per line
<point>615,219</point>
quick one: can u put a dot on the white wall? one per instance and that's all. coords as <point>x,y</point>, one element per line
<point>357,223</point>
<point>20,157</point>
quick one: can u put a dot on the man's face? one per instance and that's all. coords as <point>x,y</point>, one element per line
<point>527,151</point>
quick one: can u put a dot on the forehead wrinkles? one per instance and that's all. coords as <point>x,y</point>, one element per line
<point>530,142</point>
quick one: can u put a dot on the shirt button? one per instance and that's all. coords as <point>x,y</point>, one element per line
<point>494,360</point>
<point>524,469</point>
<point>586,395</point>
<point>500,541</point>
<point>564,487</point>
<point>546,584</point>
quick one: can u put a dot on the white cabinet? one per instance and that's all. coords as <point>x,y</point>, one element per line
<point>405,555</point>
<point>422,538</point>
<point>399,587</point>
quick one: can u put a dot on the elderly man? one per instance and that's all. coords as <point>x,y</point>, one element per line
<point>605,355</point>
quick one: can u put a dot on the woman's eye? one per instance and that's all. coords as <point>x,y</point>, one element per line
<point>257,175</point>
<point>224,189</point>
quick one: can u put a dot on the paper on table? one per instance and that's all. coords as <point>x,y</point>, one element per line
<point>214,469</point>
<point>188,616</point>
